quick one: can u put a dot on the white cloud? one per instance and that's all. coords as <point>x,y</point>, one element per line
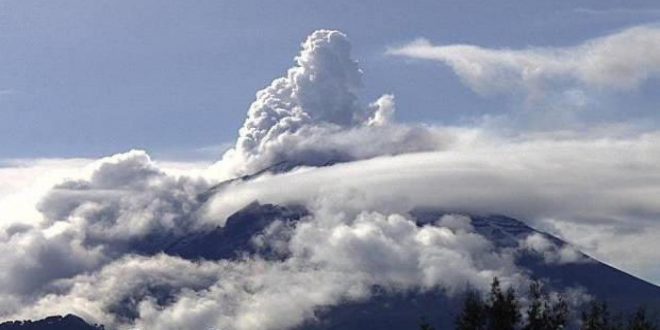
<point>383,113</point>
<point>91,216</point>
<point>550,251</point>
<point>622,60</point>
<point>24,182</point>
<point>81,259</point>
<point>589,181</point>
<point>630,246</point>
<point>333,258</point>
<point>125,197</point>
<point>359,234</point>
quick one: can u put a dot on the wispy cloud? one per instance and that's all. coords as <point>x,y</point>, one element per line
<point>620,61</point>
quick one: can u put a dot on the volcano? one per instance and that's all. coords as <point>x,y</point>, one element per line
<point>387,309</point>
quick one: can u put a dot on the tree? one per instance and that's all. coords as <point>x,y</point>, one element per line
<point>556,315</point>
<point>543,313</point>
<point>473,315</point>
<point>535,317</point>
<point>639,321</point>
<point>502,311</point>
<point>598,318</point>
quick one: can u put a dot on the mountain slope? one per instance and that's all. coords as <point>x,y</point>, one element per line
<point>391,310</point>
<point>68,322</point>
<point>619,289</point>
<point>394,310</point>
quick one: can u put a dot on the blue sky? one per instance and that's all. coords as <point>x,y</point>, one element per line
<point>87,79</point>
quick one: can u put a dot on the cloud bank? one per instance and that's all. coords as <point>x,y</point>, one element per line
<point>590,179</point>
<point>92,255</point>
<point>124,205</point>
<point>332,259</point>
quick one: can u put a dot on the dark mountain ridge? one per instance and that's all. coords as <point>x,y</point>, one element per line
<point>67,322</point>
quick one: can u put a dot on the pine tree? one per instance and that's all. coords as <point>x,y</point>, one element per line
<point>556,315</point>
<point>639,321</point>
<point>543,313</point>
<point>535,317</point>
<point>598,318</point>
<point>474,312</point>
<point>503,311</point>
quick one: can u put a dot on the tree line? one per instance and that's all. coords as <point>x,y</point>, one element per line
<point>502,310</point>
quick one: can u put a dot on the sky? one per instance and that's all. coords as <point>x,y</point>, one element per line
<point>88,79</point>
<point>116,116</point>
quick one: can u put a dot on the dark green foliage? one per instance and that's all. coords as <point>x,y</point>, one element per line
<point>556,316</point>
<point>473,316</point>
<point>639,321</point>
<point>543,313</point>
<point>499,312</point>
<point>598,318</point>
<point>535,319</point>
<point>502,311</point>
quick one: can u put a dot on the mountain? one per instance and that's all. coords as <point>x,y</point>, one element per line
<point>621,290</point>
<point>387,310</point>
<point>234,239</point>
<point>607,283</point>
<point>279,167</point>
<point>68,322</point>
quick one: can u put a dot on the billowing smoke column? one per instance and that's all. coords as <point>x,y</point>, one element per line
<point>304,118</point>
